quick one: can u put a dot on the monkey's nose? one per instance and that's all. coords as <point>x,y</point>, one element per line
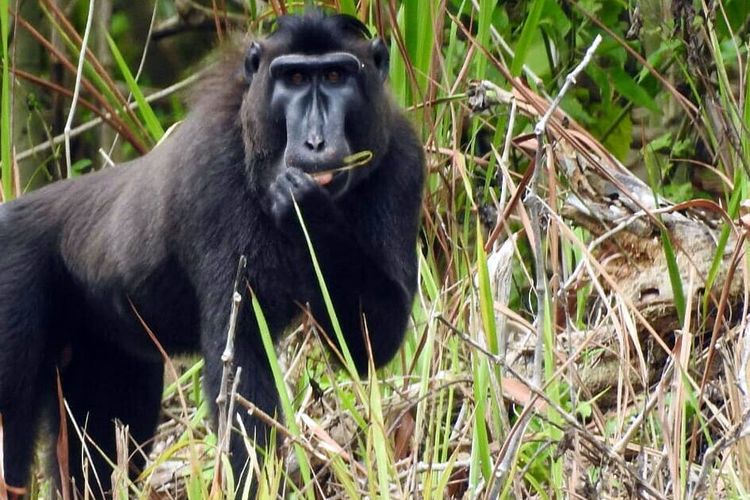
<point>315,143</point>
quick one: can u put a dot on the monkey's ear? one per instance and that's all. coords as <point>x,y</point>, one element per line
<point>380,56</point>
<point>252,61</point>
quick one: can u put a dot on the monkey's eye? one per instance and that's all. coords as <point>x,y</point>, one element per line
<point>296,78</point>
<point>332,76</point>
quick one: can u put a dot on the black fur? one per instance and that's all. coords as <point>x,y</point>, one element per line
<point>165,232</point>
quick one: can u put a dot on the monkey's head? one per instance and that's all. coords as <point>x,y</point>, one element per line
<point>316,95</point>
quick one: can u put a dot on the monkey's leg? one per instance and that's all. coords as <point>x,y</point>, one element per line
<point>21,400</point>
<point>103,384</point>
<point>25,380</point>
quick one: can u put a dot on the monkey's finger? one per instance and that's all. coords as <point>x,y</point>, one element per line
<point>298,178</point>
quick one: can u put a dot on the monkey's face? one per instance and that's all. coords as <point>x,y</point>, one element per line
<point>324,106</point>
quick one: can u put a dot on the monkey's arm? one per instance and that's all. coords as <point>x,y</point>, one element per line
<point>371,285</point>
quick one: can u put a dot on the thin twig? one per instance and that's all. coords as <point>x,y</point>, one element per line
<point>535,208</point>
<point>86,441</point>
<point>77,89</point>
<point>422,467</point>
<point>504,162</point>
<point>225,406</point>
<point>107,160</point>
<point>569,80</point>
<point>744,362</point>
<point>63,443</point>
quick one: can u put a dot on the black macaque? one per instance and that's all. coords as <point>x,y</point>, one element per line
<point>162,236</point>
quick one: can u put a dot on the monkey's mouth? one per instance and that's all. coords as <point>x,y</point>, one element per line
<point>322,178</point>
<point>323,173</point>
<point>349,162</point>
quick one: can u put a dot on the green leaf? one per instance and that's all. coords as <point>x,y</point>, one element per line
<point>144,108</point>
<point>626,86</point>
<point>348,7</point>
<point>663,142</point>
<point>555,18</point>
<point>80,166</point>
<point>620,132</point>
<point>527,36</point>
<point>584,409</point>
<point>601,79</point>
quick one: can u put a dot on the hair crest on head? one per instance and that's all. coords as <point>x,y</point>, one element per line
<point>315,31</point>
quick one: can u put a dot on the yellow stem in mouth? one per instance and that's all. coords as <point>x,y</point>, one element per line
<point>351,162</point>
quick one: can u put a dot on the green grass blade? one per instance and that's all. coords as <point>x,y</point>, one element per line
<point>379,438</point>
<point>6,177</point>
<point>278,378</point>
<point>674,276</point>
<point>484,23</point>
<point>480,448</point>
<point>144,108</point>
<point>674,270</point>
<point>349,361</point>
<point>739,194</point>
<point>486,302</point>
<point>530,30</point>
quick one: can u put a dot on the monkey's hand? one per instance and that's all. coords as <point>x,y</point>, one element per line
<point>314,202</point>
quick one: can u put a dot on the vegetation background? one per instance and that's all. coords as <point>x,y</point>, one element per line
<point>527,371</point>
